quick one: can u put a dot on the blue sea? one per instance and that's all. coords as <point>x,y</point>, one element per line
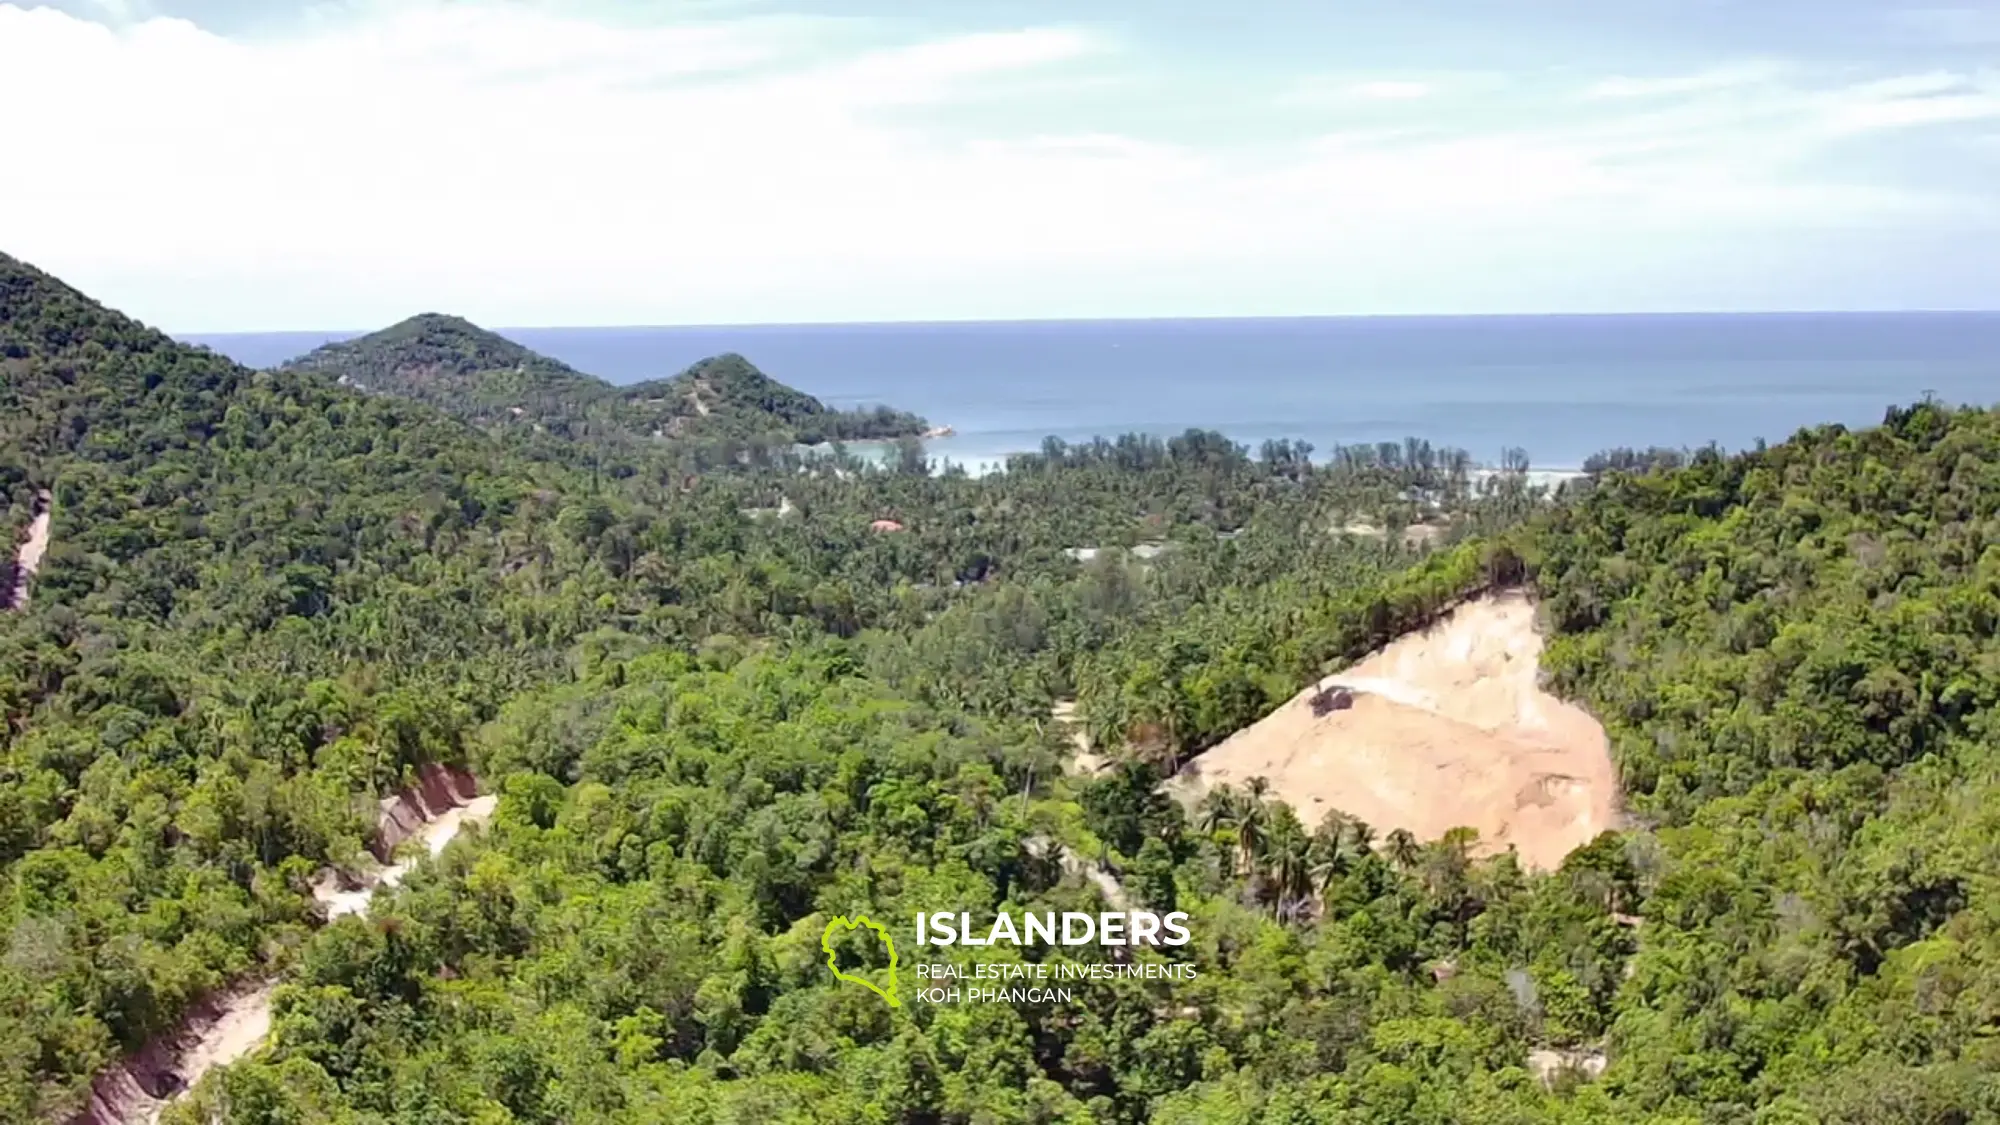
<point>1560,387</point>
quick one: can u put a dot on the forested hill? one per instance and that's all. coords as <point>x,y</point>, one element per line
<point>729,394</point>
<point>194,494</point>
<point>454,364</point>
<point>492,381</point>
<point>265,599</point>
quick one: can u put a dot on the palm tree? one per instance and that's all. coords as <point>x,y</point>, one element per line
<point>1329,867</point>
<point>1404,851</point>
<point>1216,811</point>
<point>1458,843</point>
<point>1053,857</point>
<point>1290,854</point>
<point>1252,814</point>
<point>1328,854</point>
<point>1360,838</point>
<point>1332,830</point>
<point>1448,859</point>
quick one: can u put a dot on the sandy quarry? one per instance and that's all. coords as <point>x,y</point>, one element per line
<point>1448,728</point>
<point>28,559</point>
<point>235,1022</point>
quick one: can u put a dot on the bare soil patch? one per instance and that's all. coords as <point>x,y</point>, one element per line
<point>1416,536</point>
<point>1085,762</point>
<point>28,559</point>
<point>220,1030</point>
<point>1447,728</point>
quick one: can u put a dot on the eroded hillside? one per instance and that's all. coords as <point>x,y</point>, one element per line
<point>1447,727</point>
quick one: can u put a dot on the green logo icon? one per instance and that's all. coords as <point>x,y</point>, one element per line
<point>826,944</point>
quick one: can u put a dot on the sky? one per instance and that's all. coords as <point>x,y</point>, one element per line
<point>261,165</point>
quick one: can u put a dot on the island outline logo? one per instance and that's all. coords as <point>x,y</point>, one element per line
<point>857,922</point>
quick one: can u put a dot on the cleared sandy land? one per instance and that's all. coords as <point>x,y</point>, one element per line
<point>28,559</point>
<point>1546,1064</point>
<point>1415,536</point>
<point>233,1023</point>
<point>1448,728</point>
<point>1084,763</point>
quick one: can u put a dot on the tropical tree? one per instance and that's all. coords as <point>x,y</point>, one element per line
<point>1403,850</point>
<point>1216,810</point>
<point>1287,853</point>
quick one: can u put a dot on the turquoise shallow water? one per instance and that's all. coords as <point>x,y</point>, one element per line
<point>1559,387</point>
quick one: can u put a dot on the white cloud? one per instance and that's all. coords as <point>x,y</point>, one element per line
<point>1770,117</point>
<point>518,165</point>
<point>1392,90</point>
<point>1913,100</point>
<point>1699,82</point>
<point>1334,91</point>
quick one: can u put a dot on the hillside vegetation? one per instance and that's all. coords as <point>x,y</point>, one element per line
<point>718,710</point>
<point>489,380</point>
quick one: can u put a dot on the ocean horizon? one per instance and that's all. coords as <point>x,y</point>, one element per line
<point>1561,387</point>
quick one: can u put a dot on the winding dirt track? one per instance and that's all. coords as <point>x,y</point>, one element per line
<point>1106,883</point>
<point>1084,763</point>
<point>1449,728</point>
<point>28,560</point>
<point>235,1022</point>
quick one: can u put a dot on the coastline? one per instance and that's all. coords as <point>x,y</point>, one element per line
<point>947,449</point>
<point>1563,388</point>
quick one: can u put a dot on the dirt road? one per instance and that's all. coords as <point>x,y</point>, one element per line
<point>234,1023</point>
<point>28,560</point>
<point>1084,763</point>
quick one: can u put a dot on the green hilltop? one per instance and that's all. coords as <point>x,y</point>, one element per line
<point>495,383</point>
